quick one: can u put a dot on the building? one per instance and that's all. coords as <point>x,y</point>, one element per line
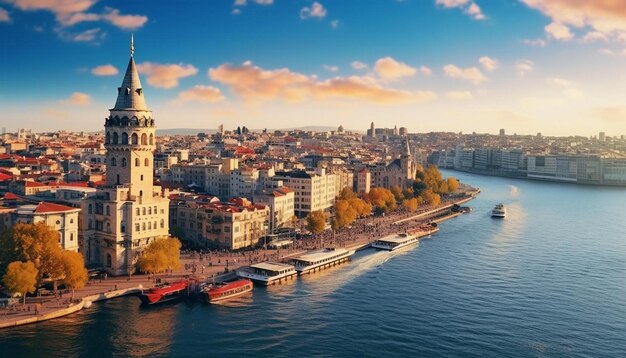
<point>314,189</point>
<point>63,219</point>
<point>280,201</point>
<point>400,172</point>
<point>128,212</point>
<point>212,224</point>
<point>362,181</point>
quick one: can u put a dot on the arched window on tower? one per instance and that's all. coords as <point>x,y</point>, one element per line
<point>136,162</point>
<point>134,138</point>
<point>143,226</point>
<point>113,162</point>
<point>123,162</point>
<point>124,138</point>
<point>109,260</point>
<point>144,139</point>
<point>144,211</point>
<point>151,139</point>
<point>90,209</point>
<point>146,162</point>
<point>108,138</point>
<point>115,137</point>
<point>149,210</point>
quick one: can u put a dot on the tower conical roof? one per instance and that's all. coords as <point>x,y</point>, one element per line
<point>130,94</point>
<point>407,149</point>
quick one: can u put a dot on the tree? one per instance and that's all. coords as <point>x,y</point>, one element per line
<point>418,187</point>
<point>37,243</point>
<point>453,184</point>
<point>431,197</point>
<point>316,221</point>
<point>382,199</point>
<point>160,256</point>
<point>346,194</point>
<point>396,190</point>
<point>75,271</point>
<point>21,277</point>
<point>345,214</point>
<point>432,179</point>
<point>361,207</point>
<point>412,204</point>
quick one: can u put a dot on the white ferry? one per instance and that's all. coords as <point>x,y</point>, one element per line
<point>268,273</point>
<point>320,259</point>
<point>499,211</point>
<point>395,242</point>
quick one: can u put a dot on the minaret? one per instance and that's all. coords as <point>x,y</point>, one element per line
<point>129,137</point>
<point>406,160</point>
<point>372,134</point>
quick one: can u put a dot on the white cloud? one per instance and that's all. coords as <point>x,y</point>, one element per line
<point>201,94</point>
<point>358,65</point>
<point>535,42</point>
<point>165,75</point>
<point>469,7</point>
<point>390,70</point>
<point>425,70</point>
<point>568,88</point>
<point>474,11</point>
<point>78,99</point>
<point>126,22</point>
<point>4,15</point>
<point>459,95</point>
<point>488,63</point>
<point>331,68</point>
<point>91,35</point>
<point>104,70</point>
<point>558,31</point>
<point>316,10</point>
<point>523,67</point>
<point>471,74</point>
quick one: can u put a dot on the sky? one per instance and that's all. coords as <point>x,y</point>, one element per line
<point>528,66</point>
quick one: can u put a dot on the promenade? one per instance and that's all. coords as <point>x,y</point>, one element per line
<point>210,265</point>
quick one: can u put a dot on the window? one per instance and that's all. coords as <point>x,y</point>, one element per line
<point>137,227</point>
<point>123,162</point>
<point>162,223</point>
<point>143,211</point>
<point>71,237</point>
<point>141,177</point>
<point>108,211</point>
<point>144,139</point>
<point>146,162</point>
<point>124,138</point>
<point>108,138</point>
<point>137,211</point>
<point>89,209</point>
<point>134,138</point>
<point>123,227</point>
<point>108,260</point>
<point>149,226</point>
<point>141,193</point>
<point>115,137</point>
<point>151,139</point>
<point>155,225</point>
<point>136,162</point>
<point>90,225</point>
<point>143,226</point>
<point>155,210</point>
<point>108,227</point>
<point>113,162</point>
<point>149,210</point>
<point>58,222</point>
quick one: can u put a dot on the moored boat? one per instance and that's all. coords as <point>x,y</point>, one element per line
<point>499,211</point>
<point>268,273</point>
<point>164,292</point>
<point>319,259</point>
<point>225,291</point>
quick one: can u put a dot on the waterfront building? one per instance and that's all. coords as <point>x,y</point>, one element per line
<point>63,219</point>
<point>128,212</point>
<point>400,172</point>
<point>280,201</point>
<point>314,189</point>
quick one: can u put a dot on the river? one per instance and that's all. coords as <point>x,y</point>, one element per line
<point>547,281</point>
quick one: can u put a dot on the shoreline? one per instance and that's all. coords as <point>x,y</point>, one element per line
<point>87,300</point>
<point>533,179</point>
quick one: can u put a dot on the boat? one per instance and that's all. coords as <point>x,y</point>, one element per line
<point>320,259</point>
<point>499,211</point>
<point>225,291</point>
<point>395,242</point>
<point>164,292</point>
<point>268,273</point>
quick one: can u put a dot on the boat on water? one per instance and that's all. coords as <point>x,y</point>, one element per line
<point>395,241</point>
<point>164,292</point>
<point>225,291</point>
<point>320,259</point>
<point>268,273</point>
<point>499,211</point>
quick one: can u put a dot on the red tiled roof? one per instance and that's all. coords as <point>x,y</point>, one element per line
<point>44,207</point>
<point>10,196</point>
<point>33,184</point>
<point>5,177</point>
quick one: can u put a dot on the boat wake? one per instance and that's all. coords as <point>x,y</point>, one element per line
<point>514,191</point>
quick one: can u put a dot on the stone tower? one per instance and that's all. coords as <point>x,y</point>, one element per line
<point>406,161</point>
<point>129,211</point>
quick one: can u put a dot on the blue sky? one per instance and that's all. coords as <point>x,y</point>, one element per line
<point>430,65</point>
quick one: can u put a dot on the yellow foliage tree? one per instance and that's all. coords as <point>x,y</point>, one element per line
<point>316,221</point>
<point>160,256</point>
<point>345,214</point>
<point>21,277</point>
<point>381,199</point>
<point>361,207</point>
<point>346,194</point>
<point>411,204</point>
<point>453,184</point>
<point>431,197</point>
<point>75,271</point>
<point>37,243</point>
<point>397,193</point>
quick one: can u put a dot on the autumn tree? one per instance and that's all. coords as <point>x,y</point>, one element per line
<point>346,194</point>
<point>37,243</point>
<point>382,199</point>
<point>412,204</point>
<point>345,214</point>
<point>316,221</point>
<point>431,198</point>
<point>21,277</point>
<point>160,256</point>
<point>453,184</point>
<point>362,207</point>
<point>396,190</point>
<point>75,271</point>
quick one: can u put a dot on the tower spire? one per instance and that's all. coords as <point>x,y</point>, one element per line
<point>132,46</point>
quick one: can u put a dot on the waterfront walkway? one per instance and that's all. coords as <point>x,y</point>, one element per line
<point>208,266</point>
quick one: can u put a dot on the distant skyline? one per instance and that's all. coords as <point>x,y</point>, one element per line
<point>551,66</point>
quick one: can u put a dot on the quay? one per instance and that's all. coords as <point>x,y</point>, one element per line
<point>104,289</point>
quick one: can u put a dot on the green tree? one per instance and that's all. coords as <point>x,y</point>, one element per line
<point>21,277</point>
<point>75,271</point>
<point>419,187</point>
<point>316,221</point>
<point>160,256</point>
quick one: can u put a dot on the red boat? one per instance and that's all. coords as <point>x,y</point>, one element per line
<point>227,290</point>
<point>164,292</point>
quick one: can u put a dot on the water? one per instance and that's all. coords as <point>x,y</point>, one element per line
<point>547,281</point>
